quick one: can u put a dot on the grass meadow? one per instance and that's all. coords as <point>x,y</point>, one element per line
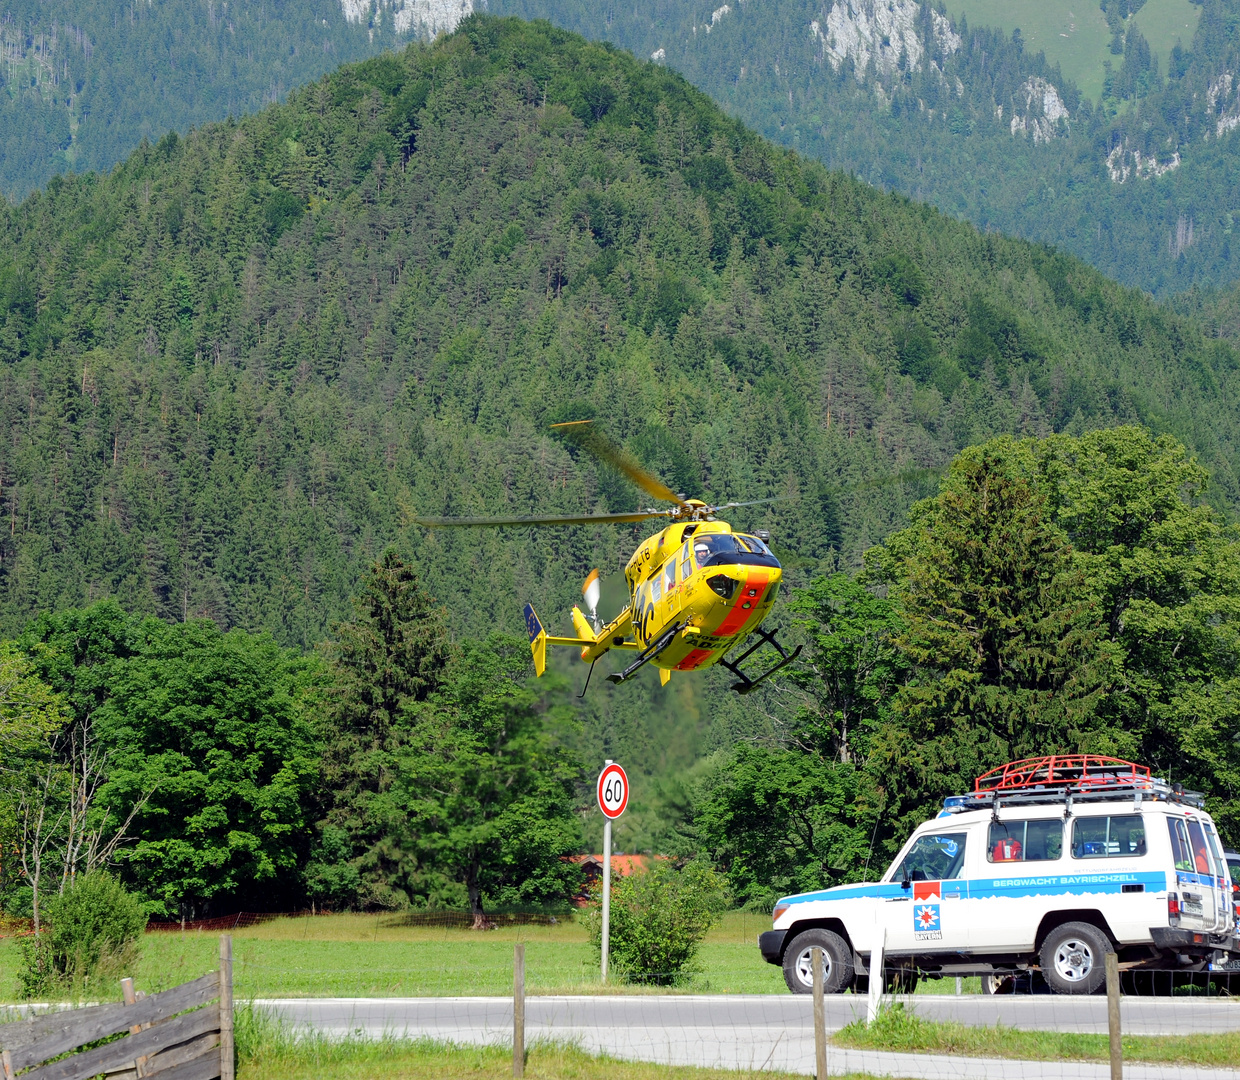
<point>900,1029</point>
<point>374,956</point>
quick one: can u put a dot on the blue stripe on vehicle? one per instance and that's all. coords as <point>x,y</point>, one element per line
<point>1065,884</point>
<point>846,892</point>
<point>1199,879</point>
<point>1025,885</point>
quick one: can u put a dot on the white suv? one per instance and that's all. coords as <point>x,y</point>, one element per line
<point>1047,864</point>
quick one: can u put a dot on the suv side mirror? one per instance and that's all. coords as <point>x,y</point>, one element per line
<point>905,883</point>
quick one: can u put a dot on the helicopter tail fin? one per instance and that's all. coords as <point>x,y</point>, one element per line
<point>538,639</point>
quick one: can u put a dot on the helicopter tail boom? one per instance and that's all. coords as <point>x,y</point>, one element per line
<point>611,636</point>
<point>592,647</point>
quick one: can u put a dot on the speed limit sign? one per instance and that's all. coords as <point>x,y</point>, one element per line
<point>613,791</point>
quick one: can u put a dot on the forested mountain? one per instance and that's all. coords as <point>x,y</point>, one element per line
<point>1142,182</point>
<point>83,83</point>
<point>233,369</point>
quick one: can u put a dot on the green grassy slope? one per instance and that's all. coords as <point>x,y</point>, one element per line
<point>1074,33</point>
<point>233,369</point>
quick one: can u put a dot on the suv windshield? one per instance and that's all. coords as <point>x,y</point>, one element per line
<point>932,858</point>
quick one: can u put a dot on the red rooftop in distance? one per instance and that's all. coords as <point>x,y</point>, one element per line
<point>592,868</point>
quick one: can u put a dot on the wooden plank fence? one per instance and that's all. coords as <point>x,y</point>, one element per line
<point>185,1033</point>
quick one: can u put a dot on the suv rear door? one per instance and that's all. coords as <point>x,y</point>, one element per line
<point>1222,890</point>
<point>1194,880</point>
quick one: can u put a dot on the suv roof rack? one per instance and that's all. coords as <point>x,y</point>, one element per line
<point>1059,778</point>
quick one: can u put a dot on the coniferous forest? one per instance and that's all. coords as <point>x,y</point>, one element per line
<point>236,368</point>
<point>1140,180</point>
<point>82,84</point>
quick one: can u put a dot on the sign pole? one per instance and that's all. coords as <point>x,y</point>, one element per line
<point>613,797</point>
<point>606,888</point>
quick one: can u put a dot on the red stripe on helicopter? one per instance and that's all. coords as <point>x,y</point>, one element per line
<point>693,659</point>
<point>738,616</point>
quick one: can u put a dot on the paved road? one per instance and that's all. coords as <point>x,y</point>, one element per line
<point>766,1031</point>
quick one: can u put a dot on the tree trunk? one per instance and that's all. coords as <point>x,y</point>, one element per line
<point>481,922</point>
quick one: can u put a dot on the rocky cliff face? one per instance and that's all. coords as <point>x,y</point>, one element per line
<point>889,34</point>
<point>427,18</point>
<point>886,41</point>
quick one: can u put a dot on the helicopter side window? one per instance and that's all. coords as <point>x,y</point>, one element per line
<point>669,575</point>
<point>754,544</point>
<point>686,564</point>
<point>656,589</point>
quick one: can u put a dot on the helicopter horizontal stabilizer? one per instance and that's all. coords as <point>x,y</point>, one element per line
<point>540,639</point>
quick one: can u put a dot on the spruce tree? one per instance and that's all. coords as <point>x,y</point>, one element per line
<point>1003,630</point>
<point>391,655</point>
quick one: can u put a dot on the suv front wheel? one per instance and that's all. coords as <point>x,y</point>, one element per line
<point>1073,958</point>
<point>837,964</point>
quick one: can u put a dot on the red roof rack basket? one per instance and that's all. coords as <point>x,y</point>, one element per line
<point>1081,772</point>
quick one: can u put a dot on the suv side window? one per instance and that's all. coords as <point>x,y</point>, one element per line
<point>1181,853</point>
<point>1024,841</point>
<point>1121,836</point>
<point>933,858</point>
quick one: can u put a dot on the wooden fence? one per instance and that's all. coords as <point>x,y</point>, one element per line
<point>181,1034</point>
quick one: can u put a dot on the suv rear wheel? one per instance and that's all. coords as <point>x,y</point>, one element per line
<point>1073,958</point>
<point>837,965</point>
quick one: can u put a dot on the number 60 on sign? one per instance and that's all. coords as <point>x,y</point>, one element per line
<point>613,791</point>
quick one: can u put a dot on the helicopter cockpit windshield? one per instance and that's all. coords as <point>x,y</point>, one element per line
<point>711,549</point>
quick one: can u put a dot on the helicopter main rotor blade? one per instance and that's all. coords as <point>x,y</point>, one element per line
<point>537,519</point>
<point>753,502</point>
<point>584,434</point>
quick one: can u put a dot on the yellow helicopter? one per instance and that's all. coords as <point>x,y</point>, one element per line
<point>697,589</point>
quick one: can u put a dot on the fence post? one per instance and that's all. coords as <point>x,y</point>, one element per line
<point>227,1066</point>
<point>1117,1047</point>
<point>518,1009</point>
<point>130,998</point>
<point>876,974</point>
<point>820,1016</point>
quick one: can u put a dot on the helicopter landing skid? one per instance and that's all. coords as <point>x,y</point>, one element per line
<point>747,684</point>
<point>646,655</point>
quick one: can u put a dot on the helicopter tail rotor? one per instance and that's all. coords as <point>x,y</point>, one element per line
<point>590,592</point>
